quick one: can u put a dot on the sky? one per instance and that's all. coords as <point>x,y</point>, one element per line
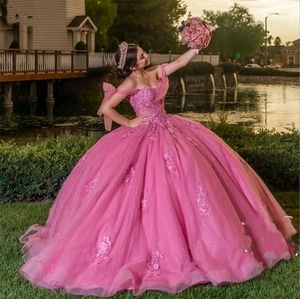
<point>286,25</point>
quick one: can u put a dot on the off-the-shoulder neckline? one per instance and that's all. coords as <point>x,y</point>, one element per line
<point>145,87</point>
<point>150,87</point>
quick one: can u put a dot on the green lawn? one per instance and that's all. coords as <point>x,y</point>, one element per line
<point>280,282</point>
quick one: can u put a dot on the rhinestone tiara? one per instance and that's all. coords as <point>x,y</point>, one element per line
<point>123,52</point>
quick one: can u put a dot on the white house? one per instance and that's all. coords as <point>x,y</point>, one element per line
<point>47,25</point>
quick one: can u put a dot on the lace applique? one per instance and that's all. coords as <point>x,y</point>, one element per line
<point>102,250</point>
<point>170,162</point>
<point>129,133</point>
<point>168,124</point>
<point>129,175</point>
<point>145,98</point>
<point>163,121</point>
<point>154,264</point>
<point>144,202</point>
<point>191,123</point>
<point>201,198</point>
<point>152,132</point>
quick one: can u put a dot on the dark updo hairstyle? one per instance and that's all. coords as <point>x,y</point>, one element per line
<point>131,60</point>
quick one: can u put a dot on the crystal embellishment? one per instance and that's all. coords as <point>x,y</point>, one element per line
<point>145,198</point>
<point>90,187</point>
<point>130,174</point>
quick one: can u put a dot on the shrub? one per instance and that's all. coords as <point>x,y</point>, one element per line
<point>230,67</point>
<point>99,72</point>
<point>81,46</point>
<point>267,72</point>
<point>195,68</point>
<point>14,45</point>
<point>37,170</point>
<point>273,155</point>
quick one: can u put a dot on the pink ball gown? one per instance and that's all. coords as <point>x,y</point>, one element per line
<point>162,206</point>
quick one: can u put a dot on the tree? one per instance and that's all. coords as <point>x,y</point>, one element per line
<point>102,13</point>
<point>277,41</point>
<point>236,32</point>
<point>3,11</point>
<point>150,23</point>
<point>269,40</point>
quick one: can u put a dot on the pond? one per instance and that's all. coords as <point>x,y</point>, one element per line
<point>253,105</point>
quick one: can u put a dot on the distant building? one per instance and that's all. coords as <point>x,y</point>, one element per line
<point>291,54</point>
<point>285,56</point>
<point>282,55</point>
<point>47,25</point>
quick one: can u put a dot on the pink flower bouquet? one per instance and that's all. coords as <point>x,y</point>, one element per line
<point>196,33</point>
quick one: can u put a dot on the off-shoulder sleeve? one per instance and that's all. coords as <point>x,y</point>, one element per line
<point>163,70</point>
<point>109,90</point>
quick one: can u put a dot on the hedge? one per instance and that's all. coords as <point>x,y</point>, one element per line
<point>267,72</point>
<point>230,67</point>
<point>195,68</point>
<point>37,170</point>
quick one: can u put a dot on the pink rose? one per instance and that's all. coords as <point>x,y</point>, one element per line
<point>196,33</point>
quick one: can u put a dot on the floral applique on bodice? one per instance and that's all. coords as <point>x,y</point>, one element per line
<point>147,101</point>
<point>150,100</point>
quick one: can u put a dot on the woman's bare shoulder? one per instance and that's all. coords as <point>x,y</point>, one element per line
<point>155,71</point>
<point>128,84</point>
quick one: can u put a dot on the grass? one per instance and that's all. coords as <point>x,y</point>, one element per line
<point>280,282</point>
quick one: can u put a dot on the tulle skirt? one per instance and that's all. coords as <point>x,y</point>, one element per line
<point>163,206</point>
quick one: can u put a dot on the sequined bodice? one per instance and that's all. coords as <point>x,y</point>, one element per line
<point>150,101</point>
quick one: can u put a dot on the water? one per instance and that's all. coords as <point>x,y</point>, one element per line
<point>253,105</point>
<point>256,105</point>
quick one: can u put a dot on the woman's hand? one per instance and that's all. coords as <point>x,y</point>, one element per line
<point>135,122</point>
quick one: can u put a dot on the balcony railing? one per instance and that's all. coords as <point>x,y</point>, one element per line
<point>37,61</point>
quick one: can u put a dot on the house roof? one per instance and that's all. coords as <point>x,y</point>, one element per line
<point>79,21</point>
<point>296,41</point>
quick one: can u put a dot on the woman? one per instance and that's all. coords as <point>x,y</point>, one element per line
<point>159,203</point>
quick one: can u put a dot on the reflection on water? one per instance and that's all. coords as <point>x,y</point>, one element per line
<point>254,105</point>
<point>257,106</point>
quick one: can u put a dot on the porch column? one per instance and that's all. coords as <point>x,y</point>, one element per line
<point>7,103</point>
<point>50,102</point>
<point>76,37</point>
<point>23,36</point>
<point>33,98</point>
<point>32,95</point>
<point>91,41</point>
<point>50,98</point>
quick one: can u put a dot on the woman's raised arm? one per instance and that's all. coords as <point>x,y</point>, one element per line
<point>180,62</point>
